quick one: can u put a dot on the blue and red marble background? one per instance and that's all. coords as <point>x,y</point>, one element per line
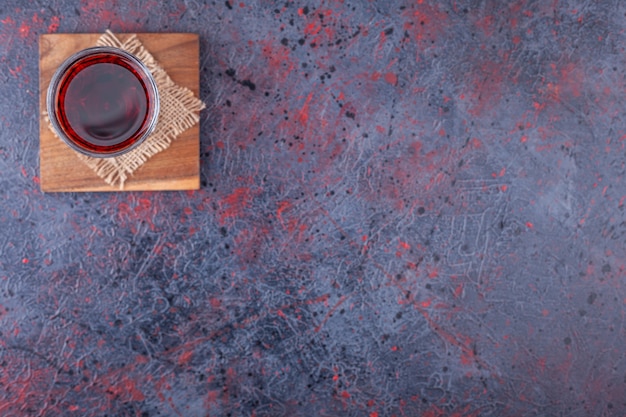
<point>408,208</point>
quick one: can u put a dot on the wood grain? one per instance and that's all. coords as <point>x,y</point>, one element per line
<point>177,168</point>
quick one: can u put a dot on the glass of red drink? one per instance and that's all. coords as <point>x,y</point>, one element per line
<point>103,102</point>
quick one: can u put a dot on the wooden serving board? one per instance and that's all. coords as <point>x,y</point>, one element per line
<point>176,168</point>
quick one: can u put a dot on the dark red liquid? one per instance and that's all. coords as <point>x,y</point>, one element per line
<point>103,103</point>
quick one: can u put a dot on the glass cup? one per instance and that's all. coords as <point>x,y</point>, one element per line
<point>103,102</point>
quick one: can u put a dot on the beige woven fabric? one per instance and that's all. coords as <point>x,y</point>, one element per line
<point>179,111</point>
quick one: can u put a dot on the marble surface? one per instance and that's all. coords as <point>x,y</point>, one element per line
<point>407,209</point>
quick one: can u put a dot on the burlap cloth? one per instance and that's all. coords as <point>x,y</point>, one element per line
<point>179,111</point>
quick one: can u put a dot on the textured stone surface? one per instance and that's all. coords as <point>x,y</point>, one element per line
<point>408,209</point>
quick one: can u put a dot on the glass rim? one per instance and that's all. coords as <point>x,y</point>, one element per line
<point>58,77</point>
